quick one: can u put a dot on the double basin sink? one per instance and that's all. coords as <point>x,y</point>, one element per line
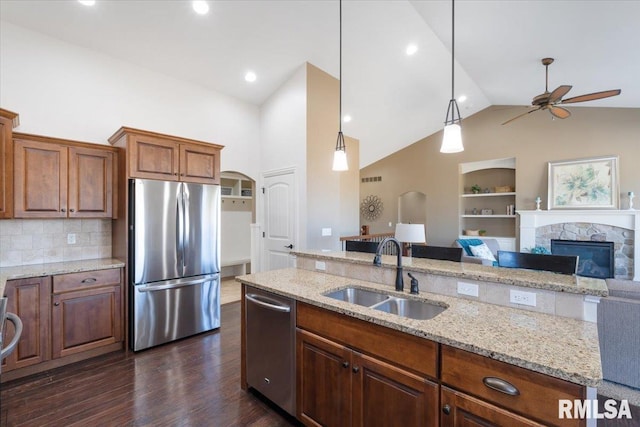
<point>381,301</point>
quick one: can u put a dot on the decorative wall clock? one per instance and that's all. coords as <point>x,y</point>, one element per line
<point>371,207</point>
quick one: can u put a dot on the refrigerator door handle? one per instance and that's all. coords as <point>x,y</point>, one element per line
<point>179,232</point>
<point>186,226</point>
<point>174,285</point>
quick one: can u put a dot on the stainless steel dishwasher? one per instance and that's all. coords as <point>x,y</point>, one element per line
<point>270,346</point>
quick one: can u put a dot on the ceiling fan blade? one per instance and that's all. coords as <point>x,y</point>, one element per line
<point>592,96</point>
<point>558,93</point>
<point>521,115</point>
<point>559,112</point>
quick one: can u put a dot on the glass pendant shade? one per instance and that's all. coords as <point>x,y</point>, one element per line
<point>340,161</point>
<point>452,139</point>
<point>452,135</point>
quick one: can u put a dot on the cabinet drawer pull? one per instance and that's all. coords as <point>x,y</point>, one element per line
<point>89,280</point>
<point>501,385</point>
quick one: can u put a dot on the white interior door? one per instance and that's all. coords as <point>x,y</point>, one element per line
<point>280,219</point>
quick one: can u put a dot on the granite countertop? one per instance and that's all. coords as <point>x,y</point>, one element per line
<point>48,269</point>
<point>560,347</point>
<point>509,276</point>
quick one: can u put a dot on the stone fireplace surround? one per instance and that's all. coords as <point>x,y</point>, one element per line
<point>620,226</point>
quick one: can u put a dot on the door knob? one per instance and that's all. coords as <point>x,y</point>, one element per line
<point>290,246</point>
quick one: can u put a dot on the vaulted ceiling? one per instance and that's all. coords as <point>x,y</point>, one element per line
<point>394,99</point>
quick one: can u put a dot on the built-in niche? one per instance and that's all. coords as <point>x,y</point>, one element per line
<point>238,213</point>
<point>412,208</point>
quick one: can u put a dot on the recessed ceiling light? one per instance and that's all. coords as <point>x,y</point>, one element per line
<point>87,2</point>
<point>411,49</point>
<point>250,76</point>
<point>346,118</point>
<point>462,98</point>
<point>201,7</point>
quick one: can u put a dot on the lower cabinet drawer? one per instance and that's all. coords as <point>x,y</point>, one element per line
<point>520,390</point>
<point>85,279</point>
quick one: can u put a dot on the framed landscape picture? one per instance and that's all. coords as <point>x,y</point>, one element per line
<point>584,183</point>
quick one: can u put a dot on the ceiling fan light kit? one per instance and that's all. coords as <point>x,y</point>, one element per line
<point>551,100</point>
<point>340,155</point>
<point>452,135</point>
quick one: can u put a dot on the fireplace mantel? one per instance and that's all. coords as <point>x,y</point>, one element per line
<point>629,219</point>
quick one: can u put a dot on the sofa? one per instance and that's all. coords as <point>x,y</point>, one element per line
<point>467,256</point>
<point>619,332</point>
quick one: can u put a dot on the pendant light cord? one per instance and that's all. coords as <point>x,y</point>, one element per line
<point>453,44</point>
<point>340,74</point>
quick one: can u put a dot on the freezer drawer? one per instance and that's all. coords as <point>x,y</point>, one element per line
<point>270,346</point>
<point>173,309</point>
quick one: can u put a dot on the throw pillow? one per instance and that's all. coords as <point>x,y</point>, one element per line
<point>482,251</point>
<point>466,243</point>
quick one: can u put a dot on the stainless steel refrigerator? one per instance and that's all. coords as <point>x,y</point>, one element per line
<point>174,260</point>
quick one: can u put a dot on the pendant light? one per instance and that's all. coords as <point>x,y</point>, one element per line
<point>340,155</point>
<point>452,137</point>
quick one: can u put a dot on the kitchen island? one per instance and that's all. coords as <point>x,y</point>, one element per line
<point>549,356</point>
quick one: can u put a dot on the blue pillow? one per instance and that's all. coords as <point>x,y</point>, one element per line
<point>465,243</point>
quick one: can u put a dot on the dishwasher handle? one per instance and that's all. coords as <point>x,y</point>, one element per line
<point>268,303</point>
<point>17,324</point>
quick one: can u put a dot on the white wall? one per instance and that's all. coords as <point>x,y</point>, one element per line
<point>67,91</point>
<point>283,139</point>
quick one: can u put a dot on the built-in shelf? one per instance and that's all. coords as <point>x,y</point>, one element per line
<point>488,216</point>
<point>491,176</point>
<point>511,193</point>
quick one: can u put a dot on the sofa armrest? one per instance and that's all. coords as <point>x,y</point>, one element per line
<point>628,289</point>
<point>476,260</point>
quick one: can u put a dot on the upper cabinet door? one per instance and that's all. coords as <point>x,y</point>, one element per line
<point>6,167</point>
<point>40,180</point>
<point>199,163</point>
<point>154,158</point>
<point>90,183</point>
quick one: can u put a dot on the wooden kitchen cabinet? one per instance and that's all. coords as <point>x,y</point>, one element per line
<point>339,385</point>
<point>461,410</point>
<point>86,312</point>
<point>55,178</point>
<point>519,391</point>
<point>156,156</point>
<point>66,318</point>
<point>8,120</point>
<point>29,299</point>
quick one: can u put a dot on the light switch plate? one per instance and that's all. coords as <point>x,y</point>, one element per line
<point>522,298</point>
<point>326,232</point>
<point>71,239</point>
<point>320,265</point>
<point>470,289</point>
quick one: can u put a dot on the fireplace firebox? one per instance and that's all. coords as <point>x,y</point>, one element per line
<point>595,259</point>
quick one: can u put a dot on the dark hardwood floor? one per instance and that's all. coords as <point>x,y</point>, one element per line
<point>192,382</point>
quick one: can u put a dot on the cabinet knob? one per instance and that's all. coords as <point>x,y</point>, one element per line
<point>345,364</point>
<point>63,210</point>
<point>356,369</point>
<point>446,409</point>
<point>56,304</point>
<point>72,210</point>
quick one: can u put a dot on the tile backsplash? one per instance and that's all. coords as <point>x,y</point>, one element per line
<point>36,241</point>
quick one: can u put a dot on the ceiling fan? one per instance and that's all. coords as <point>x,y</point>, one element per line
<point>551,100</point>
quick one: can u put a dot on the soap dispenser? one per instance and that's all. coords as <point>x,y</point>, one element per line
<point>414,284</point>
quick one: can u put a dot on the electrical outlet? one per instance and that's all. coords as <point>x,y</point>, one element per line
<point>320,265</point>
<point>326,232</point>
<point>469,289</point>
<point>71,239</point>
<point>522,298</point>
